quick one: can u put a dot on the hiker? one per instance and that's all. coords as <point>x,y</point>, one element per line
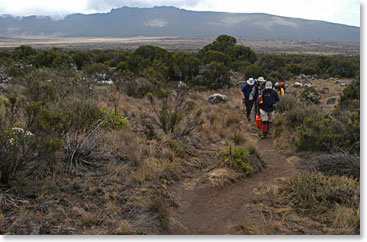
<point>284,86</point>
<point>259,86</point>
<point>261,83</point>
<point>279,89</point>
<point>246,98</point>
<point>267,100</point>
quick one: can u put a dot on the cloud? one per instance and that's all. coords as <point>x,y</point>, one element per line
<point>107,5</point>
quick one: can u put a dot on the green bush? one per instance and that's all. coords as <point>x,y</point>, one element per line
<point>287,103</point>
<point>330,134</point>
<point>244,54</point>
<point>300,112</point>
<point>351,96</point>
<point>81,114</point>
<point>216,75</point>
<point>237,158</point>
<point>216,56</point>
<point>139,88</point>
<point>253,71</point>
<point>271,63</point>
<point>115,121</point>
<point>80,59</point>
<point>187,66</point>
<point>339,130</point>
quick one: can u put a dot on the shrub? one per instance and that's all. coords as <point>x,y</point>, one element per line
<point>18,151</point>
<point>217,56</point>
<point>80,59</point>
<point>243,53</point>
<point>254,72</point>
<point>351,96</point>
<point>214,76</point>
<point>330,134</point>
<point>115,121</point>
<point>300,112</point>
<point>139,88</point>
<point>175,115</point>
<point>287,103</point>
<point>41,92</point>
<point>271,63</point>
<point>322,197</point>
<point>311,94</point>
<point>240,159</point>
<point>81,114</point>
<point>336,164</point>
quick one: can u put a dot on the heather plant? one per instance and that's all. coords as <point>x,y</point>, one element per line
<point>175,115</point>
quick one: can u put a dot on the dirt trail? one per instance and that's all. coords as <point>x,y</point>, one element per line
<point>210,210</point>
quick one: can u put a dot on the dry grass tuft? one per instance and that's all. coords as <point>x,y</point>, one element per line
<point>163,211</point>
<point>124,145</point>
<point>221,176</point>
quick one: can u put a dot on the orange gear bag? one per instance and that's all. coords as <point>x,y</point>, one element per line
<point>258,121</point>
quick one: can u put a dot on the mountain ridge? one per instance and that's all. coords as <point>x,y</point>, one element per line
<point>172,21</point>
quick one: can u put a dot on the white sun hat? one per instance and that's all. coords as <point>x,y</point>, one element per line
<point>261,79</point>
<point>251,81</point>
<point>268,85</point>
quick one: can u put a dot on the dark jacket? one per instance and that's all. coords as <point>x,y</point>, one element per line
<point>269,99</point>
<point>247,89</point>
<point>255,91</point>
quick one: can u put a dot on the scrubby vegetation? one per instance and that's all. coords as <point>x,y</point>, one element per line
<point>241,159</point>
<point>91,141</point>
<point>332,200</point>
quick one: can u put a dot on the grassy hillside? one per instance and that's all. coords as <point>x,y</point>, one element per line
<point>126,142</point>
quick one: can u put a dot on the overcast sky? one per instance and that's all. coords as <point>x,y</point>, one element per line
<point>336,11</point>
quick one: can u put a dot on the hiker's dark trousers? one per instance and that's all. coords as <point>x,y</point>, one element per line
<point>249,104</point>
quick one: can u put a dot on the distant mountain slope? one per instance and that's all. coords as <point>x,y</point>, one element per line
<point>171,21</point>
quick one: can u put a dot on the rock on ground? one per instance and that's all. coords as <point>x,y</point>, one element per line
<point>217,98</point>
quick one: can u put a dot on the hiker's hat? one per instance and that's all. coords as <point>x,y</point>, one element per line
<point>268,85</point>
<point>277,84</point>
<point>251,81</point>
<point>261,79</point>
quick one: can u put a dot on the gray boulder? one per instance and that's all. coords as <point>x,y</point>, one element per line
<point>109,82</point>
<point>312,97</point>
<point>217,98</point>
<point>308,85</point>
<point>298,85</point>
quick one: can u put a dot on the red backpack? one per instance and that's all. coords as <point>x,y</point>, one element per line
<point>282,85</point>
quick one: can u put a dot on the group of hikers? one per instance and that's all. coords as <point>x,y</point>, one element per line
<point>260,94</point>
